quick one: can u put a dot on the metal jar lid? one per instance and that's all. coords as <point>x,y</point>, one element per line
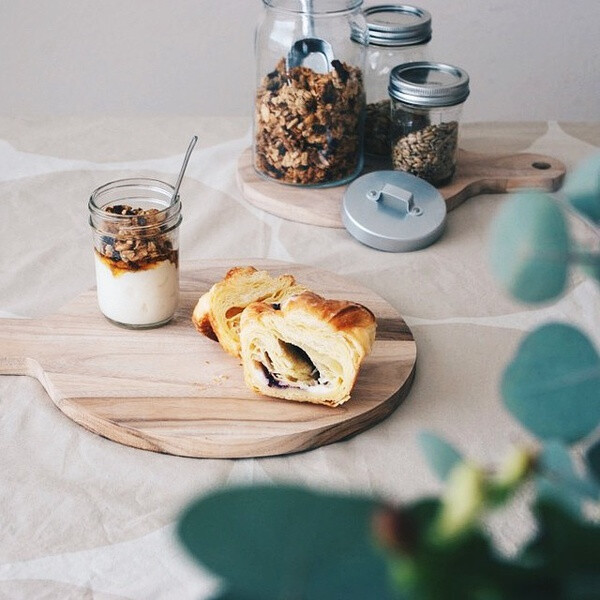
<point>428,84</point>
<point>397,25</point>
<point>393,211</point>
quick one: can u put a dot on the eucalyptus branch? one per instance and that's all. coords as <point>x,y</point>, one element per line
<point>562,200</point>
<point>584,257</point>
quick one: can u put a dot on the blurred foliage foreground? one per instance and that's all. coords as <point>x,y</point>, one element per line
<point>282,542</point>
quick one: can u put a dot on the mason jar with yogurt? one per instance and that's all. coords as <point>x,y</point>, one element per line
<point>135,225</point>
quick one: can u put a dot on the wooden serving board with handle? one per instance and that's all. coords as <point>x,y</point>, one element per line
<point>476,173</point>
<point>175,391</point>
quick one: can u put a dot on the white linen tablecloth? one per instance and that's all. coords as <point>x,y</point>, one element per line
<point>84,517</point>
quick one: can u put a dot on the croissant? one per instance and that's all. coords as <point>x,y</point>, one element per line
<point>305,348</point>
<point>217,313</point>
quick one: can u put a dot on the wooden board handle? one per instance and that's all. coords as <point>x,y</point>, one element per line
<point>495,174</point>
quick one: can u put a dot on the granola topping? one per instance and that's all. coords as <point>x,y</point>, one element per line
<point>307,124</point>
<point>135,243</point>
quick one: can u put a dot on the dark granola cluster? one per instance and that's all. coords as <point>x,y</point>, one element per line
<point>308,124</point>
<point>377,128</point>
<point>136,242</point>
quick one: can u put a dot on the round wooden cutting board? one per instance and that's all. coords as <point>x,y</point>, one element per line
<point>172,390</point>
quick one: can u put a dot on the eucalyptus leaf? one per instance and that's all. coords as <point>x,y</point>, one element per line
<point>270,542</point>
<point>555,462</point>
<point>564,553</point>
<point>552,386</point>
<point>529,247</point>
<point>231,595</point>
<point>592,267</point>
<point>441,456</point>
<point>559,480</point>
<point>551,490</point>
<point>592,460</point>
<point>582,188</point>
<point>466,566</point>
<point>564,547</point>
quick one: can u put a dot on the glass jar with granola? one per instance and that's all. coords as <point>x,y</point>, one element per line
<point>427,100</point>
<point>397,33</point>
<point>310,95</point>
<point>135,226</point>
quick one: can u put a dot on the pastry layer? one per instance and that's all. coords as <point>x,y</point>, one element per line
<point>305,348</point>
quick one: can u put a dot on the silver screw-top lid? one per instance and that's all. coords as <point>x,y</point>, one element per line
<point>429,84</point>
<point>393,211</point>
<point>397,25</point>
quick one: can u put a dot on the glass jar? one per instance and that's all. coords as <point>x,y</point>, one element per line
<point>426,105</point>
<point>310,97</point>
<point>397,33</point>
<point>135,226</point>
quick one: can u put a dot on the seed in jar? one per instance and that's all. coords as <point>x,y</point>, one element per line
<point>428,153</point>
<point>377,128</point>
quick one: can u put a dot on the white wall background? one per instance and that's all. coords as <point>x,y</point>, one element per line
<point>528,59</point>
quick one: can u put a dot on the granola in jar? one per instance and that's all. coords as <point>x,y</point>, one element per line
<point>308,125</point>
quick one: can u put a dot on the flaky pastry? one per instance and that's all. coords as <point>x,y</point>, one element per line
<point>217,313</point>
<point>305,348</point>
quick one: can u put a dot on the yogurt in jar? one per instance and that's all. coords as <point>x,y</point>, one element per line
<point>136,257</point>
<point>147,296</point>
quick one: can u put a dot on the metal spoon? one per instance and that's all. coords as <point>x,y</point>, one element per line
<point>309,45</point>
<point>184,166</point>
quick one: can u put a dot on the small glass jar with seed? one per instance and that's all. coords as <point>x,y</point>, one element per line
<point>397,33</point>
<point>426,105</point>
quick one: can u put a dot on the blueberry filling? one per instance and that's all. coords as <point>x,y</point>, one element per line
<point>274,379</point>
<point>273,382</point>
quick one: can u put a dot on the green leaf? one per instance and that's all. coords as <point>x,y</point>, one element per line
<point>552,386</point>
<point>592,268</point>
<point>564,546</point>
<point>586,259</point>
<point>564,553</point>
<point>559,480</point>
<point>271,542</point>
<point>582,187</point>
<point>466,566</point>
<point>441,456</point>
<point>529,247</point>
<point>592,460</point>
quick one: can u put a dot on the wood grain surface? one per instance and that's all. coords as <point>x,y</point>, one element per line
<point>172,390</point>
<point>476,174</point>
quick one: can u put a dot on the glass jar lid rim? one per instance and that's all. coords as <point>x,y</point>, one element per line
<point>140,182</point>
<point>454,90</point>
<point>350,6</point>
<point>398,34</point>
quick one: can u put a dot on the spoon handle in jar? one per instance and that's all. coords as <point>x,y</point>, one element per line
<point>184,165</point>
<point>308,25</point>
